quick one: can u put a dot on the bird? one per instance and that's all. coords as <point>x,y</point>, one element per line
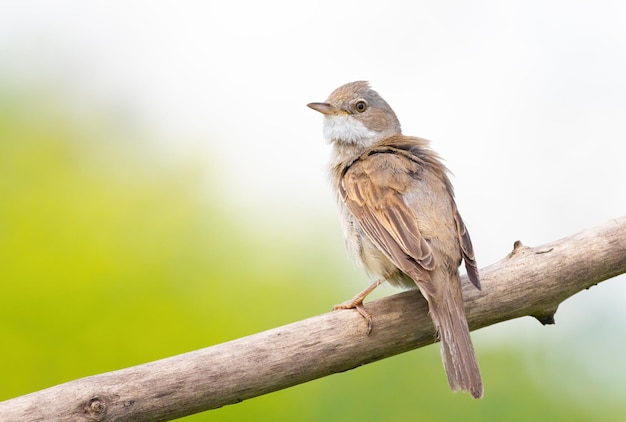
<point>400,219</point>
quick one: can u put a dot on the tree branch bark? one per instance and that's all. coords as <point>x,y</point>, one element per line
<point>528,281</point>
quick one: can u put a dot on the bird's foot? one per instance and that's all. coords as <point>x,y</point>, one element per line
<point>357,303</point>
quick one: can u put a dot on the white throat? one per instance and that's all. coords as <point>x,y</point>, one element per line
<point>345,129</point>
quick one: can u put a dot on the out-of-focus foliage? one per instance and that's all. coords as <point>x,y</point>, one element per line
<point>112,255</point>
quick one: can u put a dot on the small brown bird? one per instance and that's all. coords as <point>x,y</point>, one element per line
<point>400,219</point>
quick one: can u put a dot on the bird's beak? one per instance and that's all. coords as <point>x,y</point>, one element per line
<point>325,108</point>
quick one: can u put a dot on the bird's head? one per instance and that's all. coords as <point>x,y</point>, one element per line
<point>356,114</point>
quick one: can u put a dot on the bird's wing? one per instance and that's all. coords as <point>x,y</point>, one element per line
<point>373,189</point>
<point>467,249</point>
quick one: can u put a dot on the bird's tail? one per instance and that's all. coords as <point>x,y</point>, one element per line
<point>448,314</point>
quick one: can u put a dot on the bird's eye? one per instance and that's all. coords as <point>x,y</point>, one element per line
<point>360,106</point>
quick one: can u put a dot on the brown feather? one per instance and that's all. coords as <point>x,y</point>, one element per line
<point>457,351</point>
<point>467,248</point>
<point>398,192</point>
<point>379,206</point>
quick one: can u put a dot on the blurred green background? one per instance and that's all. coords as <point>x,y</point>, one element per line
<point>113,254</point>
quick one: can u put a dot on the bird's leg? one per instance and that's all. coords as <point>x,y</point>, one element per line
<point>357,303</point>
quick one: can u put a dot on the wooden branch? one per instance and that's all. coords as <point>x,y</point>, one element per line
<point>529,281</point>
